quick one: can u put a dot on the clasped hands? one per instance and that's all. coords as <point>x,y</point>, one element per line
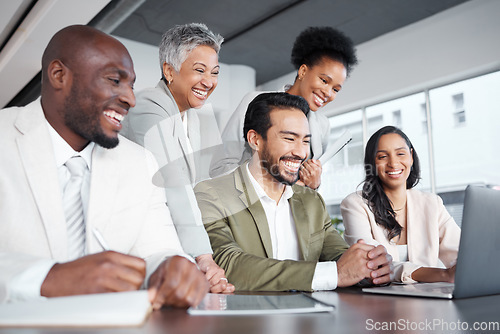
<point>362,261</point>
<point>176,282</point>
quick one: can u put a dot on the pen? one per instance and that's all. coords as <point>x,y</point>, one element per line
<point>100,239</point>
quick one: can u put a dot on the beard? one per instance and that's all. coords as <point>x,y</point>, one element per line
<point>86,122</point>
<point>273,168</point>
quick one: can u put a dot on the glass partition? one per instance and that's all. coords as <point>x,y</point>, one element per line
<point>343,173</point>
<point>466,134</point>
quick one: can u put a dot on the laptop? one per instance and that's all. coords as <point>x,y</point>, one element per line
<point>477,272</point>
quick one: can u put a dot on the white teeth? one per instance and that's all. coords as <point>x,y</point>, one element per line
<point>319,100</point>
<point>115,115</point>
<point>395,173</point>
<point>201,93</point>
<point>293,165</point>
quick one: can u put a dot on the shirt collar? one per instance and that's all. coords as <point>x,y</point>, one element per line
<point>63,151</point>
<point>184,118</point>
<point>260,191</point>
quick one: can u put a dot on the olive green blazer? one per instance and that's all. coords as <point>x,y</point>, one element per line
<point>239,233</point>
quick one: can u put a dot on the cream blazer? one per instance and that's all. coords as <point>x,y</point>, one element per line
<point>432,233</point>
<point>124,205</point>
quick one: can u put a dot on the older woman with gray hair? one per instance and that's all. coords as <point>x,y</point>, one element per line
<point>166,120</point>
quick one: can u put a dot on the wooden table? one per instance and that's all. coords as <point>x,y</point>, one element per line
<point>356,312</point>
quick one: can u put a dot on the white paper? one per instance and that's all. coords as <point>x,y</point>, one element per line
<point>334,148</point>
<point>96,310</point>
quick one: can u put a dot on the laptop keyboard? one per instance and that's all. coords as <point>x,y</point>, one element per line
<point>446,288</point>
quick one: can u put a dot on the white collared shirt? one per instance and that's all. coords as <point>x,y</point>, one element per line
<point>184,118</point>
<point>279,216</point>
<point>63,152</point>
<point>284,238</point>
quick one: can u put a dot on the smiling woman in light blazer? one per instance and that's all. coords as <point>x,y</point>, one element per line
<point>323,57</point>
<point>167,121</point>
<point>414,226</point>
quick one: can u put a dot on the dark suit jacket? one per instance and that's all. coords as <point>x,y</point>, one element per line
<point>237,226</point>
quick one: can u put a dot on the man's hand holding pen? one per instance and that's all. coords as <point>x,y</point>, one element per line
<point>176,282</point>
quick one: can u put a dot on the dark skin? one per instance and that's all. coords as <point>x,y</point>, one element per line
<point>92,71</point>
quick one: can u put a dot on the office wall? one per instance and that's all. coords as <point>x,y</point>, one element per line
<point>449,46</point>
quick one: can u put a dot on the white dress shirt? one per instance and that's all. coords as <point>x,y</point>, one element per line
<point>184,118</point>
<point>27,285</point>
<point>284,238</point>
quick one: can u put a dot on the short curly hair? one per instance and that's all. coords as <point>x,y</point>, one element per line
<point>180,40</point>
<point>314,43</point>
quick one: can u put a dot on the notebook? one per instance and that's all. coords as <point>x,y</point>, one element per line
<point>477,272</point>
<point>96,310</point>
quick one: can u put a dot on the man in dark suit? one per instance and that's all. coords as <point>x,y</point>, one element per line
<point>270,234</point>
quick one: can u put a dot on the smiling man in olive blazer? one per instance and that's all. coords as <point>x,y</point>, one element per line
<point>237,226</point>
<point>269,233</point>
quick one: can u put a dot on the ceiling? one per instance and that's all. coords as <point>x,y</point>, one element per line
<point>260,33</point>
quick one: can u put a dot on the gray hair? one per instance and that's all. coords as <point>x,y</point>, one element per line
<point>180,40</point>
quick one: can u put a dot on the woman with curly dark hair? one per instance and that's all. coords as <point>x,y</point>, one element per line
<point>414,226</point>
<point>324,58</point>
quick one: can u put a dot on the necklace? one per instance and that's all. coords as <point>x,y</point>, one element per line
<point>404,206</point>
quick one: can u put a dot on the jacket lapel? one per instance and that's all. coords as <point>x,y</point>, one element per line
<point>316,148</point>
<point>249,197</point>
<point>195,140</point>
<point>37,155</point>
<point>194,124</point>
<point>187,155</point>
<point>301,220</point>
<point>179,133</point>
<point>412,235</point>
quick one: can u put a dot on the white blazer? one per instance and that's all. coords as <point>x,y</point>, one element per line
<point>155,123</point>
<point>432,233</point>
<point>124,205</point>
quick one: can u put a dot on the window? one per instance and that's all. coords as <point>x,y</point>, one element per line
<point>342,174</point>
<point>396,118</point>
<point>423,113</point>
<point>374,123</point>
<point>466,155</point>
<point>459,111</point>
<point>352,153</point>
